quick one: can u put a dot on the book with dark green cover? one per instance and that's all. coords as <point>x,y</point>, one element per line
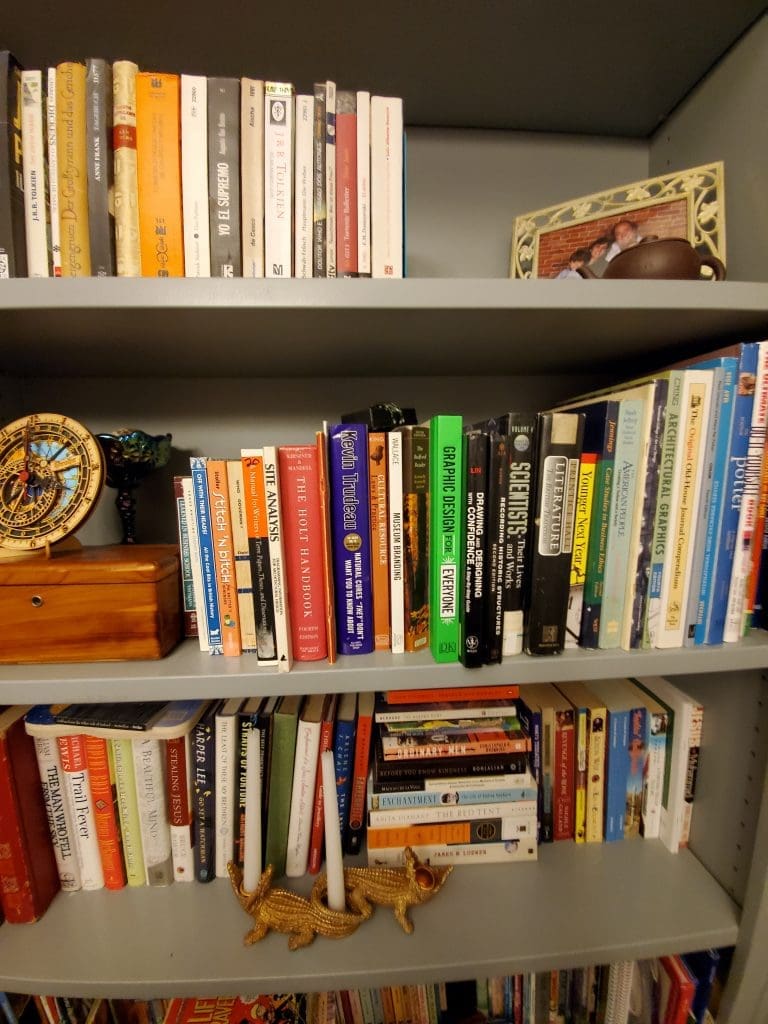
<point>284,725</point>
<point>446,476</point>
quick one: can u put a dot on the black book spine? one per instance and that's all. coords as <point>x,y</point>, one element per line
<point>476,445</point>
<point>13,240</point>
<point>498,484</point>
<point>448,767</point>
<point>204,788</point>
<point>224,176</point>
<point>101,222</point>
<point>520,431</point>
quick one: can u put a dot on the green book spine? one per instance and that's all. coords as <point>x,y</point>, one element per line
<point>284,727</point>
<point>446,475</point>
<point>121,755</point>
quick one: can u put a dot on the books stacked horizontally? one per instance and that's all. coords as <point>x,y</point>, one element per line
<point>115,171</point>
<point>451,779</point>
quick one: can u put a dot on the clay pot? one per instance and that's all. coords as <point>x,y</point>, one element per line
<point>660,259</point>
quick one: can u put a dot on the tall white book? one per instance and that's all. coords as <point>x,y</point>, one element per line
<point>303,791</point>
<point>303,186</point>
<point>53,174</point>
<point>152,802</point>
<point>77,778</point>
<point>194,175</point>
<point>396,577</point>
<point>225,790</point>
<point>252,175</point>
<point>278,179</point>
<point>33,169</point>
<point>330,179</point>
<point>277,559</point>
<point>59,811</point>
<point>363,184</point>
<point>386,186</point>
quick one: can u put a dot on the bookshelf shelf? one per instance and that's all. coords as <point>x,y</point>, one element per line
<point>575,906</point>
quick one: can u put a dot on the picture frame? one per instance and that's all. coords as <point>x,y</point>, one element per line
<point>686,204</point>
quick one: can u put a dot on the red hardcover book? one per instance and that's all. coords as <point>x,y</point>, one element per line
<point>303,540</point>
<point>682,990</point>
<point>346,183</point>
<point>105,818</point>
<point>318,818</point>
<point>353,836</point>
<point>29,878</point>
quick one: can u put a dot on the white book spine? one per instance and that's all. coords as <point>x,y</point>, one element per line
<point>513,851</point>
<point>33,168</point>
<point>197,567</point>
<point>277,559</point>
<point>750,497</point>
<point>278,179</point>
<point>252,175</point>
<point>59,811</point>
<point>53,175</point>
<point>130,832</point>
<point>523,811</point>
<point>653,787</point>
<point>302,798</point>
<point>396,578</point>
<point>386,186</point>
<point>77,778</point>
<point>182,851</point>
<point>252,843</point>
<point>194,175</point>
<point>149,767</point>
<point>225,790</point>
<point>303,186</point>
<point>363,183</point>
<point>330,178</point>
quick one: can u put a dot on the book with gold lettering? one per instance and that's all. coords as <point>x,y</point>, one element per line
<point>72,169</point>
<point>158,152</point>
<point>126,177</point>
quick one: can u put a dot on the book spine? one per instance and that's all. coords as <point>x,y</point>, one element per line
<point>343,762</point>
<point>282,756</point>
<point>629,444</point>
<point>449,767</point>
<point>302,798</point>
<point>584,501</point>
<point>396,540</point>
<point>300,501</point>
<point>502,691</point>
<point>456,853</point>
<point>433,793</point>
<point>751,603</point>
<point>53,173</point>
<point>275,534</point>
<point>377,485</point>
<point>637,769</point>
<point>353,836</point>
<point>204,785</point>
<point>580,787</point>
<point>201,618</point>
<point>75,768</point>
<point>321,442</point>
<point>243,576</point>
<point>346,183</point>
<point>498,491</point>
<point>386,186</point>
<point>278,179</point>
<point>330,179</point>
<point>564,775</point>
<point>303,186</point>
<point>194,175</point>
<point>128,809</point>
<point>416,536</point>
<point>351,533</point>
<point>225,790</point>
<point>258,548</point>
<point>446,467</point>
<point>483,830</point>
<point>315,858</point>
<point>207,553</point>
<point>252,175</point>
<point>521,449</point>
<point>224,176</point>
<point>319,208</point>
<point>72,168</point>
<point>223,556</point>
<point>104,811</point>
<point>59,812</point>
<point>33,163</point>
<point>693,748</point>
<point>13,243</point>
<point>596,775</point>
<point>617,773</point>
<point>598,534</point>
<point>653,777</point>
<point>158,150</point>
<point>363,140</point>
<point>476,447</point>
<point>409,746</point>
<point>99,115</point>
<point>149,764</point>
<point>127,247</point>
<point>522,811</point>
<point>187,582</point>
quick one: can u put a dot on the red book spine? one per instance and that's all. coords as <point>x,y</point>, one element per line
<point>29,878</point>
<point>564,782</point>
<point>346,187</point>
<point>353,838</point>
<point>105,819</point>
<point>302,536</point>
<point>317,835</point>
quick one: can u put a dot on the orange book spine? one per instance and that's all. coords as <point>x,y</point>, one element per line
<point>102,795</point>
<point>223,546</point>
<point>377,482</point>
<point>158,156</point>
<point>72,158</point>
<point>426,835</point>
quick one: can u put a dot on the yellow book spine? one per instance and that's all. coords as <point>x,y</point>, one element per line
<point>127,248</point>
<point>158,155</point>
<point>72,170</point>
<point>128,808</point>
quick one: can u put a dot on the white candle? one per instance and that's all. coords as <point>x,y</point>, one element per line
<point>333,864</point>
<point>252,851</point>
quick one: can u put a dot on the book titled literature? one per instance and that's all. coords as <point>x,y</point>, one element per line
<point>252,175</point>
<point>13,243</point>
<point>278,182</point>
<point>194,175</point>
<point>351,538</point>
<point>224,176</point>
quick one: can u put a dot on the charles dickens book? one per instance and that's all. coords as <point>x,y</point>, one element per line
<point>416,536</point>
<point>560,437</point>
<point>446,473</point>
<point>224,176</point>
<point>13,244</point>
<point>475,524</point>
<point>350,535</point>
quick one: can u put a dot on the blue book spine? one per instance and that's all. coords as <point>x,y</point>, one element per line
<point>343,757</point>
<point>616,775</point>
<point>703,967</point>
<point>207,554</point>
<point>716,502</point>
<point>351,537</point>
<point>713,626</point>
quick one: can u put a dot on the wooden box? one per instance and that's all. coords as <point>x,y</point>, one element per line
<point>109,603</point>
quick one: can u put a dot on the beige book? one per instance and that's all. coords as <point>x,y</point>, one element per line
<point>126,180</point>
<point>72,170</point>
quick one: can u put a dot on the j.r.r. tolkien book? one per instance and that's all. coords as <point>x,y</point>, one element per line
<point>203,788</point>
<point>72,162</point>
<point>446,462</point>
<point>224,176</point>
<point>559,443</point>
<point>98,133</point>
<point>194,175</point>
<point>377,488</point>
<point>278,179</point>
<point>475,514</point>
<point>351,538</point>
<point>416,536</point>
<point>202,512</point>
<point>35,174</point>
<point>258,548</point>
<point>13,243</point>
<point>252,175</point>
<point>223,556</point>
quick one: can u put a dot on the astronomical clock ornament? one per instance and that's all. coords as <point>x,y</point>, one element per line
<point>51,475</point>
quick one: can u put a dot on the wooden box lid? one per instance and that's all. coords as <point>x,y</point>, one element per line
<point>109,563</point>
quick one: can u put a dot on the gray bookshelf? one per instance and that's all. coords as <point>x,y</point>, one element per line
<point>522,106</point>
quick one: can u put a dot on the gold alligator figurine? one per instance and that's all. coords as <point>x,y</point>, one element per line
<point>302,919</point>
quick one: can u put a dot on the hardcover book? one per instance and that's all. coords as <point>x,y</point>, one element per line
<point>128,810</point>
<point>415,536</point>
<point>284,725</point>
<point>446,472</point>
<point>476,448</point>
<point>396,540</point>
<point>152,800</point>
<point>379,512</point>
<point>252,175</point>
<point>591,752</point>
<point>319,209</point>
<point>317,836</point>
<point>72,162</point>
<point>355,831</point>
<point>99,135</point>
<point>35,174</point>
<point>278,179</point>
<point>258,547</point>
<point>59,812</point>
<point>387,186</point>
<point>226,784</point>
<point>224,176</point>
<point>498,494</point>
<point>204,788</point>
<point>53,171</point>
<point>305,766</point>
<point>346,183</point>
<point>303,186</point>
<point>194,175</point>
<point>13,242</point>
<point>178,764</point>
<point>344,753</point>
<point>127,248</point>
<point>363,102</point>
<point>105,812</point>
<point>247,721</point>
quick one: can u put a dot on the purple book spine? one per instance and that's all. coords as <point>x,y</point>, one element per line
<point>350,536</point>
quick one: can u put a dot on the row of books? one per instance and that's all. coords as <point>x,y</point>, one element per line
<point>108,170</point>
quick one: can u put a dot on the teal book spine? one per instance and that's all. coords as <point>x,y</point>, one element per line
<point>445,535</point>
